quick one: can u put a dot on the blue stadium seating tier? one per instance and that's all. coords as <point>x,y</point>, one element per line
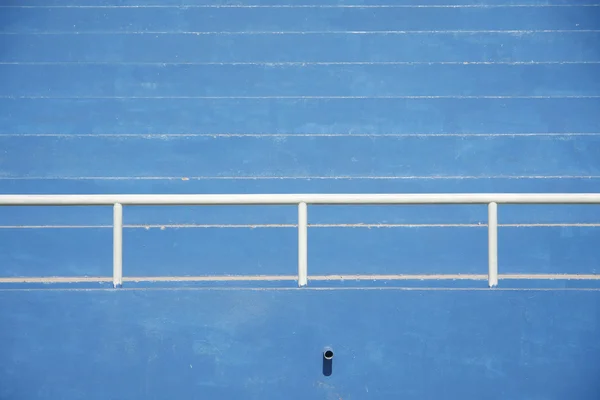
<point>299,96</point>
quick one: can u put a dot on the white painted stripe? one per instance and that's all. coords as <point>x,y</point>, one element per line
<point>163,136</point>
<point>265,177</point>
<point>273,226</point>
<point>267,278</point>
<point>291,135</point>
<point>297,63</point>
<point>322,289</point>
<point>191,6</point>
<point>236,33</point>
<point>308,97</point>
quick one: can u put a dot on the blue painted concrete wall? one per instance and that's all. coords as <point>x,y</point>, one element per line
<point>278,96</point>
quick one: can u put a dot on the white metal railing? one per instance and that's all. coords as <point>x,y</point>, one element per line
<point>302,201</point>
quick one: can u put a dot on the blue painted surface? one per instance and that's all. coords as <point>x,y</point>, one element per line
<point>247,20</point>
<point>265,344</point>
<point>300,116</point>
<point>326,47</point>
<point>323,80</point>
<point>299,156</point>
<point>272,251</point>
<point>207,96</point>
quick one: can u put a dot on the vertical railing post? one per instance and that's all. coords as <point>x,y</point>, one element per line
<point>117,245</point>
<point>302,244</point>
<point>492,244</point>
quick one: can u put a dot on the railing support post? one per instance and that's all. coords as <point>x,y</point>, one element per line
<point>302,244</point>
<point>117,245</point>
<point>493,244</point>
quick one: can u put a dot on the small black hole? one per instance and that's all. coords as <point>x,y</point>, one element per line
<point>327,361</point>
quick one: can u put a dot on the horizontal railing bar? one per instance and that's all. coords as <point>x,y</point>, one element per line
<point>301,201</point>
<point>295,199</point>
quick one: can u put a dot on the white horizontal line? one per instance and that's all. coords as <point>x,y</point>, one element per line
<point>341,177</point>
<point>184,6</point>
<point>305,288</point>
<point>390,32</point>
<point>298,63</point>
<point>267,278</point>
<point>56,279</point>
<point>297,198</point>
<point>308,97</point>
<point>551,225</point>
<point>290,135</point>
<point>150,226</point>
<point>258,226</point>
